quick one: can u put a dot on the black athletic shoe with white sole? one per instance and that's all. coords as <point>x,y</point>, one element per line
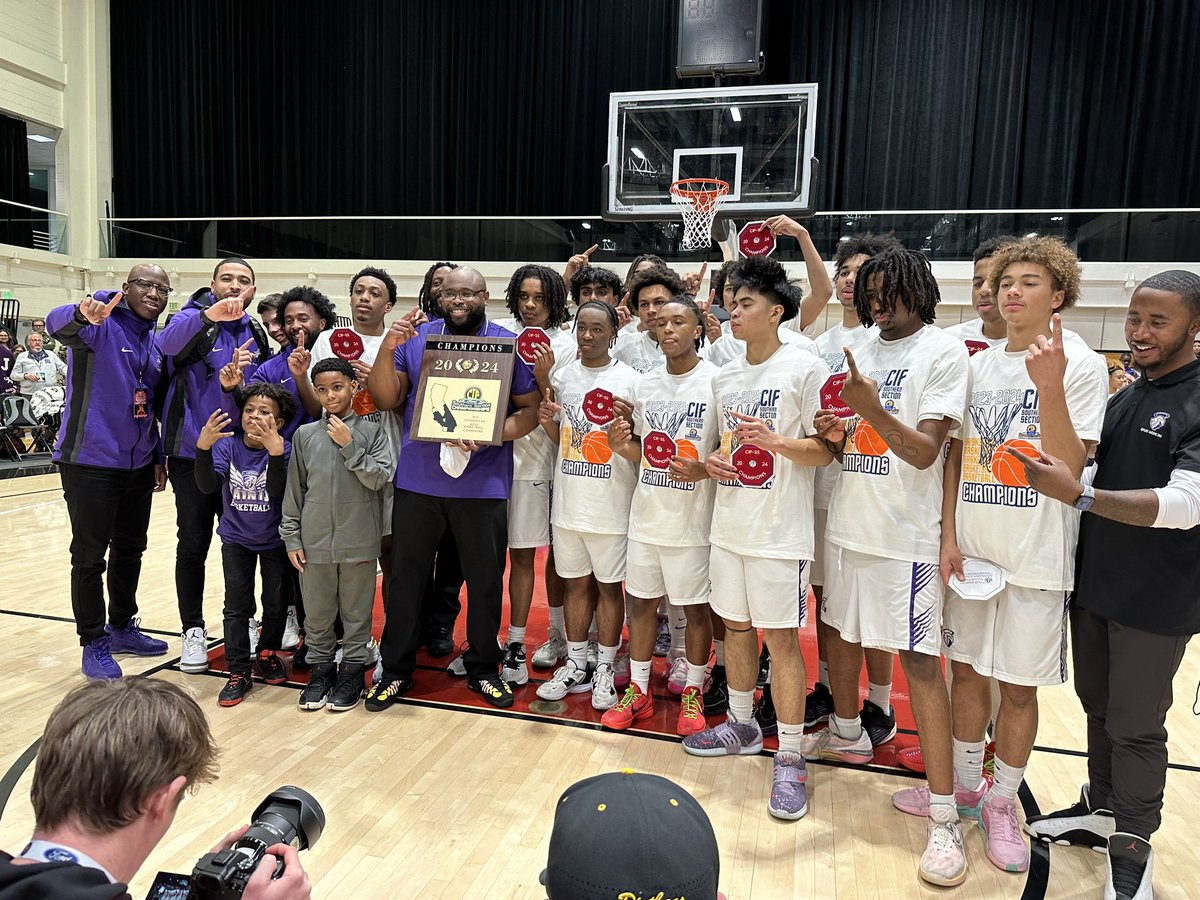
<point>764,713</point>
<point>348,689</point>
<point>880,726</point>
<point>818,705</point>
<point>716,698</point>
<point>320,683</point>
<point>1077,825</point>
<point>494,688</point>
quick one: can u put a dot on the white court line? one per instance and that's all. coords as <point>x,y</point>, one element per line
<point>5,512</point>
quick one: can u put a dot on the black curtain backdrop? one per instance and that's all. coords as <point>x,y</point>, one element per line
<point>465,107</point>
<point>15,223</point>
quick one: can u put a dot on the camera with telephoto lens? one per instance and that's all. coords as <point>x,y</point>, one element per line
<point>287,816</point>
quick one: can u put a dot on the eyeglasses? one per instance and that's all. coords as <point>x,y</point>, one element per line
<point>148,286</point>
<point>465,296</point>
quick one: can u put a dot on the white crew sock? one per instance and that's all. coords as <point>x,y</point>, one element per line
<point>850,729</point>
<point>719,649</point>
<point>880,695</point>
<point>823,673</point>
<point>678,630</point>
<point>968,763</point>
<point>516,635</point>
<point>639,674</point>
<point>790,737</point>
<point>695,676</point>
<point>741,706</point>
<point>609,654</point>
<point>1007,780</point>
<point>557,620</point>
<point>577,653</point>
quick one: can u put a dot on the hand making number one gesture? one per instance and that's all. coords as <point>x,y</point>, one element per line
<point>231,373</point>
<point>860,393</point>
<point>1046,360</point>
<point>95,311</point>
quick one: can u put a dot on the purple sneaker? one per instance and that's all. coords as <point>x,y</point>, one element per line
<point>98,664</point>
<point>727,739</point>
<point>788,797</point>
<point>131,639</point>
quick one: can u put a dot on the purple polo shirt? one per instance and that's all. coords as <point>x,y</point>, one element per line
<point>488,475</point>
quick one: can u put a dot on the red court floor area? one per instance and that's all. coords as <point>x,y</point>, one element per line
<point>433,684</point>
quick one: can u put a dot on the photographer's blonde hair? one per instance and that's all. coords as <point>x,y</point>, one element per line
<point>109,745</point>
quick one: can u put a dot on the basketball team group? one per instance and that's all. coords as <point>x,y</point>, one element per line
<point>707,477</point>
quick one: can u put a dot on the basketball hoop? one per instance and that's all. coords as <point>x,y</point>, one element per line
<point>698,200</point>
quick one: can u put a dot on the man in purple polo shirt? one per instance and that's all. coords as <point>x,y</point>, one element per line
<point>108,457</point>
<point>428,501</point>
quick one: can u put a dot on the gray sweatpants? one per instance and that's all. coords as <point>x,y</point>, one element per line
<point>330,590</point>
<point>1123,678</point>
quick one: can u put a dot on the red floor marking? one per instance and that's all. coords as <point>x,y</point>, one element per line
<point>433,683</point>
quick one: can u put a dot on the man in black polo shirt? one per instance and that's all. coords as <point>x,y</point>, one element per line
<point>1130,623</point>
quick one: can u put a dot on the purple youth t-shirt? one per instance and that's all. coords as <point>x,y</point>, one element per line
<point>249,516</point>
<point>488,475</point>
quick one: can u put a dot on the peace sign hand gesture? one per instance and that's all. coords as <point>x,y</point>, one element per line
<point>95,311</point>
<point>860,393</point>
<point>1046,362</point>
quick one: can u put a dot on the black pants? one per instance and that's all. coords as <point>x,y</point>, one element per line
<point>239,563</point>
<point>196,515</point>
<point>442,605</point>
<point>1123,678</point>
<point>110,514</point>
<point>480,530</point>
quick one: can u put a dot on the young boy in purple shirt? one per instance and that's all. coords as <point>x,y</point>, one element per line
<point>250,472</point>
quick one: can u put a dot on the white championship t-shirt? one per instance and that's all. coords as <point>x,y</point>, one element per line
<point>971,333</point>
<point>728,348</point>
<point>768,511</point>
<point>592,485</point>
<point>830,344</point>
<point>1000,518</point>
<point>533,455</point>
<point>639,351</point>
<point>674,415</point>
<point>364,403</point>
<point>881,505</point>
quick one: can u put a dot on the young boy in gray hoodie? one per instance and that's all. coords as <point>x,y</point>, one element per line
<point>332,525</point>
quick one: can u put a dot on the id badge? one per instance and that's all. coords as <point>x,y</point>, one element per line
<point>140,398</point>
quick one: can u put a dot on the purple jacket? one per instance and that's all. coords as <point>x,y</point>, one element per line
<point>6,363</point>
<point>195,390</point>
<point>275,371</point>
<point>105,365</point>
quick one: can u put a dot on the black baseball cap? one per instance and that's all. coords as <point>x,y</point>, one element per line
<point>630,834</point>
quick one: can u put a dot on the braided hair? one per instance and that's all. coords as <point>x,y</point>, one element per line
<point>907,278</point>
<point>553,289</point>
<point>610,312</point>
<point>425,298</point>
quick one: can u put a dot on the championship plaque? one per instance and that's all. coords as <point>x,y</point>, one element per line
<point>463,393</point>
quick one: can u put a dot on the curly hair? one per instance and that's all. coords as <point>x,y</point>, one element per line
<point>595,275</point>
<point>382,275</point>
<point>989,247</point>
<point>863,245</point>
<point>282,396</point>
<point>651,258</point>
<point>1048,252</point>
<point>907,278</point>
<point>553,290</point>
<point>769,278</point>
<point>303,293</point>
<point>662,276</point>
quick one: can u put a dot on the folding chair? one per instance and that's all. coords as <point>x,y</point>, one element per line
<point>18,417</point>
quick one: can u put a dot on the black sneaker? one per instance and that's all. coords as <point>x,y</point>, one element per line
<point>387,691</point>
<point>271,667</point>
<point>716,698</point>
<point>1130,867</point>
<point>320,683</point>
<point>764,667</point>
<point>440,641</point>
<point>764,713</point>
<point>818,705</point>
<point>1078,824</point>
<point>236,688</point>
<point>494,688</point>
<point>879,725</point>
<point>349,688</point>
<point>300,658</point>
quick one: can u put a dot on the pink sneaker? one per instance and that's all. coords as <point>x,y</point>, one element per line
<point>944,862</point>
<point>1006,848</point>
<point>825,744</point>
<point>915,801</point>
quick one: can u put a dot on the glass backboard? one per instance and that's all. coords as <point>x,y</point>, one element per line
<point>758,139</point>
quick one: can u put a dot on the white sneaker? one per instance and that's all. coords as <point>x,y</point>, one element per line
<point>291,631</point>
<point>944,862</point>
<point>677,677</point>
<point>253,636</point>
<point>1130,868</point>
<point>555,649</point>
<point>604,692</point>
<point>457,667</point>
<point>373,651</point>
<point>568,679</point>
<point>195,651</point>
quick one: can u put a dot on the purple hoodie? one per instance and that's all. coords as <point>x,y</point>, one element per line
<point>195,389</point>
<point>105,365</point>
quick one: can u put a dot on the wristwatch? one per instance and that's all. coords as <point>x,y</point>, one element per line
<point>1086,499</point>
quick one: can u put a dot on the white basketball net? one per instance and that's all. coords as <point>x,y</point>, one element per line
<point>698,200</point>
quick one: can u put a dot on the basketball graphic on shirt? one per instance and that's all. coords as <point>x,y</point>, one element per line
<point>598,406</point>
<point>867,440</point>
<point>363,403</point>
<point>755,466</point>
<point>1006,468</point>
<point>595,448</point>
<point>528,341</point>
<point>658,449</point>
<point>345,344</point>
<point>686,449</point>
